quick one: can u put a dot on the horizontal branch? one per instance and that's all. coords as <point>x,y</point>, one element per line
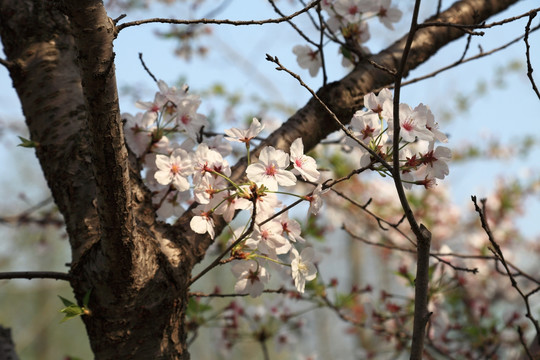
<point>34,275</point>
<point>215,21</point>
<point>482,26</point>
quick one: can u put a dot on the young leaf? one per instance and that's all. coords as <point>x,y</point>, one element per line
<point>66,302</point>
<point>27,143</point>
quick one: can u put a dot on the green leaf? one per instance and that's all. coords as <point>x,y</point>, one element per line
<point>71,312</point>
<point>196,307</point>
<point>86,298</point>
<point>66,302</point>
<point>27,143</point>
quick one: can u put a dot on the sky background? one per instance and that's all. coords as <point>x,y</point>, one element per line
<point>236,59</point>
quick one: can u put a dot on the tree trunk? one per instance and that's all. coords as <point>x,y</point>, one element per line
<point>61,61</point>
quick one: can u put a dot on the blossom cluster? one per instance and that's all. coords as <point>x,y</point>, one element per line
<point>193,172</point>
<point>198,172</point>
<point>348,18</point>
<point>421,163</point>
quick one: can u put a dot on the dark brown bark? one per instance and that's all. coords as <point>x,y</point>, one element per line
<point>62,67</point>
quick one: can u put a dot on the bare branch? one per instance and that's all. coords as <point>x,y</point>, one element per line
<point>529,66</point>
<point>146,68</point>
<point>35,275</point>
<point>466,27</point>
<point>463,61</point>
<point>496,250</point>
<point>217,22</point>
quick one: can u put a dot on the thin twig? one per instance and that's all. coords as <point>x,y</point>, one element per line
<point>280,67</point>
<point>480,26</point>
<point>216,21</point>
<point>293,25</point>
<point>320,46</point>
<point>146,68</point>
<point>240,239</point>
<point>475,57</point>
<point>528,55</point>
<point>35,275</point>
<point>219,295</point>
<point>496,250</point>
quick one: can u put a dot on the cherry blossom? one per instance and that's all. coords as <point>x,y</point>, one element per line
<point>187,118</point>
<point>171,205</point>
<point>206,161</point>
<point>291,227</point>
<point>138,133</point>
<point>436,161</point>
<point>270,169</point>
<point>351,10</point>
<point>203,222</point>
<point>245,136</point>
<point>315,200</point>
<point>412,124</point>
<point>432,126</point>
<point>380,104</point>
<point>208,188</point>
<point>366,126</point>
<point>303,164</point>
<point>303,268</point>
<point>269,239</point>
<point>388,15</point>
<point>174,169</point>
<point>308,58</point>
<point>251,277</point>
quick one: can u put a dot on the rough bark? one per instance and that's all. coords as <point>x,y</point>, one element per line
<point>7,347</point>
<point>62,67</point>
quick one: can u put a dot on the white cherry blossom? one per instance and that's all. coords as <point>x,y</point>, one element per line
<point>303,268</point>
<point>203,223</point>
<point>303,164</point>
<point>308,58</point>
<point>244,136</point>
<point>174,169</point>
<point>251,277</point>
<point>270,169</point>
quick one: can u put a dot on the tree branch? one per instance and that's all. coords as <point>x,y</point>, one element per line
<point>94,33</point>
<point>35,275</point>
<point>217,22</point>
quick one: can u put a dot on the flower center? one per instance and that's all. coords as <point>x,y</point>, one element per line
<point>175,169</point>
<point>408,125</point>
<point>271,170</point>
<point>185,119</point>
